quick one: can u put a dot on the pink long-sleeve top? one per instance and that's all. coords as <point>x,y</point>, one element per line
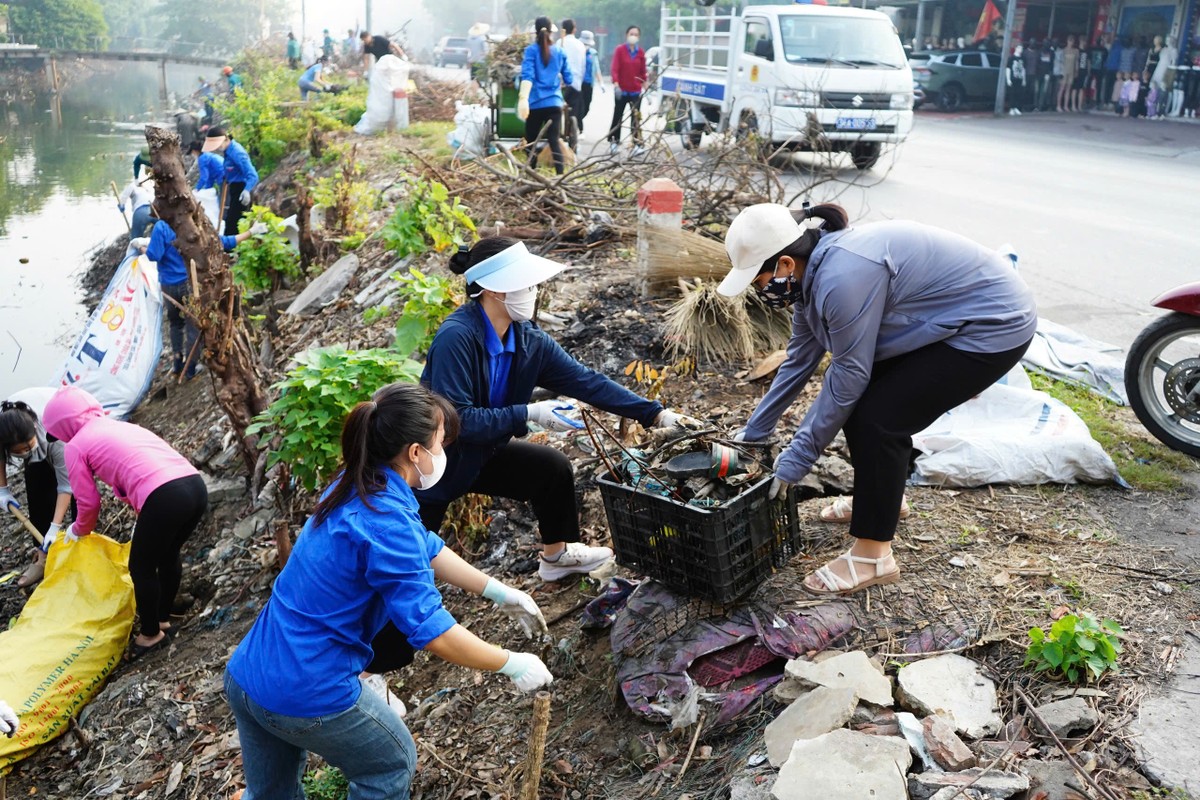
<point>129,458</point>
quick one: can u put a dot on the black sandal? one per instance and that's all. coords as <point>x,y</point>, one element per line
<point>136,650</point>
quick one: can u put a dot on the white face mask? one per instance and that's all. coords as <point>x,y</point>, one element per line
<point>521,304</point>
<point>632,39</point>
<point>439,468</point>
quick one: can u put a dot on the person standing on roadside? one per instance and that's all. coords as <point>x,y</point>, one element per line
<point>327,44</point>
<point>375,48</point>
<point>576,52</point>
<point>293,51</point>
<point>629,78</point>
<point>544,71</point>
<point>591,75</point>
<point>240,176</point>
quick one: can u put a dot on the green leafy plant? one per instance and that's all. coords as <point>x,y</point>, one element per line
<point>347,199</point>
<point>427,219</point>
<point>327,783</point>
<point>428,300</point>
<point>263,260</point>
<point>314,399</point>
<point>1076,647</point>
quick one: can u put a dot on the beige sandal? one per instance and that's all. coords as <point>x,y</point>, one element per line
<point>834,584</point>
<point>841,510</point>
<point>33,573</point>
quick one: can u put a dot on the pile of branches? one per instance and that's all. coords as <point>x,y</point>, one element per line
<point>504,59</point>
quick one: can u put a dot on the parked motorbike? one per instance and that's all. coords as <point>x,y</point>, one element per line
<point>1162,371</point>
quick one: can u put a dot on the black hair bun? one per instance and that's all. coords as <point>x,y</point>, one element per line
<point>460,262</point>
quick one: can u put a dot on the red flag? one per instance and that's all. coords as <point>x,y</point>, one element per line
<point>986,18</point>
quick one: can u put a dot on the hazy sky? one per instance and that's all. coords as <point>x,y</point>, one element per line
<point>338,15</point>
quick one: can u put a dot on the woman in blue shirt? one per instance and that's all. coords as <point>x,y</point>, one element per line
<point>544,70</point>
<point>363,558</point>
<point>916,320</point>
<point>311,81</point>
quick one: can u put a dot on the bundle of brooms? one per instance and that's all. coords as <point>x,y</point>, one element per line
<point>702,323</point>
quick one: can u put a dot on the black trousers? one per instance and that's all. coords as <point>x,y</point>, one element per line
<point>585,103</point>
<point>234,208</point>
<point>170,515</point>
<point>182,330</point>
<point>41,494</point>
<point>574,101</point>
<point>635,116</point>
<point>905,395</point>
<point>537,120</point>
<point>532,473</point>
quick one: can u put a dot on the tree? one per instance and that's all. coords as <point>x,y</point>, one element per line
<point>613,15</point>
<point>66,24</point>
<point>130,24</point>
<point>223,26</point>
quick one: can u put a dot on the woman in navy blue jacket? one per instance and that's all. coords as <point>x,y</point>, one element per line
<point>486,360</point>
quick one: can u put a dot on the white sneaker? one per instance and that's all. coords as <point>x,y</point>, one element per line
<point>613,148</point>
<point>638,151</point>
<point>577,558</point>
<point>379,686</point>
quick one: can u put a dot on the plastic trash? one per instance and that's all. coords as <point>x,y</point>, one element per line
<point>389,76</point>
<point>470,135</point>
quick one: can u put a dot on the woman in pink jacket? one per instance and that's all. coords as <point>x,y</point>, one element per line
<point>165,490</point>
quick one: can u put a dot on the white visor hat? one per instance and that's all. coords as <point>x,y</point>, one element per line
<point>759,232</point>
<point>513,269</point>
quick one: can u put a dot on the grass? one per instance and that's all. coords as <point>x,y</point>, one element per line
<point>431,138</point>
<point>1144,462</point>
<point>327,783</point>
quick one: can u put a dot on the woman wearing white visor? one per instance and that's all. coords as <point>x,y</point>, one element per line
<point>916,321</point>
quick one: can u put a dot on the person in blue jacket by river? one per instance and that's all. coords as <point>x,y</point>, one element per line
<point>363,559</point>
<point>544,70</point>
<point>240,175</point>
<point>916,320</point>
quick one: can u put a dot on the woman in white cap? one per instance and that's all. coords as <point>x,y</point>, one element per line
<point>916,321</point>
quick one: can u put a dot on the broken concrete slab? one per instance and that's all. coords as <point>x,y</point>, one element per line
<point>845,763</point>
<point>326,287</point>
<point>1069,718</point>
<point>949,751</point>
<point>992,784</point>
<point>914,734</point>
<point>1165,728</point>
<point>849,670</point>
<point>811,715</point>
<point>955,687</point>
<point>221,490</point>
<point>1053,780</point>
<point>254,524</point>
<point>950,793</point>
<point>788,690</point>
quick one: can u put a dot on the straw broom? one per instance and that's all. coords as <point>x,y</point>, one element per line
<point>713,328</point>
<point>685,254</point>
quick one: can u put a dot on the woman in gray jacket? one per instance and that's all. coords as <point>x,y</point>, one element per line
<point>916,321</point>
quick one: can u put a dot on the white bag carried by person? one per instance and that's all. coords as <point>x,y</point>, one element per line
<point>388,75</point>
<point>116,354</point>
<point>1010,434</point>
<point>210,202</point>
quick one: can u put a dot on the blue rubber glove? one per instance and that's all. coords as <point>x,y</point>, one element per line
<point>121,207</point>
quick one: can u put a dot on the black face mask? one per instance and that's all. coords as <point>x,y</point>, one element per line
<point>780,292</point>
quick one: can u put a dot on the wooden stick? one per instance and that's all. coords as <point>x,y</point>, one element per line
<point>691,748</point>
<point>116,194</point>
<point>283,542</point>
<point>24,520</point>
<point>537,747</point>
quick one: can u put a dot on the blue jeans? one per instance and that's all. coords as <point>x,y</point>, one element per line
<point>368,742</point>
<point>308,86</point>
<point>142,219</point>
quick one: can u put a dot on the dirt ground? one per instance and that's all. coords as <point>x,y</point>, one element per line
<point>990,562</point>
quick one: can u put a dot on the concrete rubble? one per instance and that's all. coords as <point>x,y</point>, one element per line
<point>325,288</point>
<point>1053,780</point>
<point>992,784</point>
<point>845,670</point>
<point>1069,718</point>
<point>955,687</point>
<point>847,764</point>
<point>949,751</point>
<point>813,714</point>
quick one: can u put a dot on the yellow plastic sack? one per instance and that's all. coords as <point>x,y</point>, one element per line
<point>67,640</point>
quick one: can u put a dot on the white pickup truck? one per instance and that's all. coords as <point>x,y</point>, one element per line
<point>799,77</point>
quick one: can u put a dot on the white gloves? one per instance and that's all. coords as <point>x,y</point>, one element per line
<point>258,229</point>
<point>56,532</point>
<point>523,102</point>
<point>526,671</point>
<point>8,720</point>
<point>552,415</point>
<point>676,422</point>
<point>517,605</point>
<point>140,243</point>
<point>244,198</point>
<point>778,486</point>
<point>7,499</point>
<point>743,438</point>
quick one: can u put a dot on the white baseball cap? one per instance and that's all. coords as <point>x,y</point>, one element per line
<point>759,232</point>
<point>512,269</point>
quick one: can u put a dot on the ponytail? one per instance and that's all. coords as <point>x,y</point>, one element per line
<point>833,218</point>
<point>543,40</point>
<point>378,430</point>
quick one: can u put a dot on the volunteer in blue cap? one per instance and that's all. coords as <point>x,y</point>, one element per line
<point>240,175</point>
<point>487,358</point>
<point>916,320</point>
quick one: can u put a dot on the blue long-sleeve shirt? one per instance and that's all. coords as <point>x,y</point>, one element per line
<point>457,368</point>
<point>238,168</point>
<point>547,79</point>
<point>879,291</point>
<point>212,170</point>
<point>171,269</point>
<point>347,576</point>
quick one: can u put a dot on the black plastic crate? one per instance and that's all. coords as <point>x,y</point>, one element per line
<point>720,553</point>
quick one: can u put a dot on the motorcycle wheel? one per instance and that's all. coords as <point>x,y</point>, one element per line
<point>1162,379</point>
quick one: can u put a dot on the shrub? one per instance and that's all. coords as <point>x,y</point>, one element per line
<point>427,219</point>
<point>428,300</point>
<point>314,399</point>
<point>347,200</point>
<point>263,260</point>
<point>327,783</point>
<point>1076,647</point>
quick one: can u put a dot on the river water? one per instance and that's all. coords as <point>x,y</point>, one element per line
<point>59,155</point>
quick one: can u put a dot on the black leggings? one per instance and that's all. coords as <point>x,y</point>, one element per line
<point>41,494</point>
<point>905,395</point>
<point>233,207</point>
<point>170,515</point>
<point>533,473</point>
<point>634,102</point>
<point>537,120</point>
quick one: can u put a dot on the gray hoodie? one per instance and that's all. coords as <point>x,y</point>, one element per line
<point>876,292</point>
